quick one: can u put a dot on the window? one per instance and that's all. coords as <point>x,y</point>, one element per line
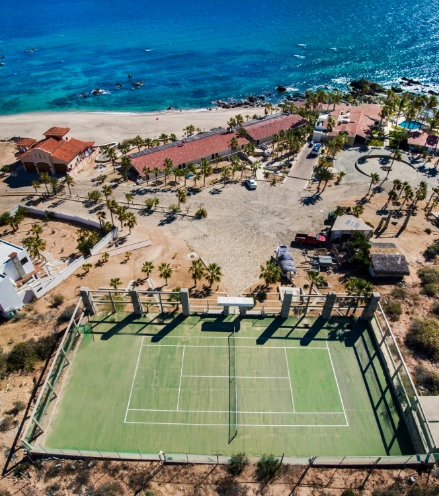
<point>24,261</point>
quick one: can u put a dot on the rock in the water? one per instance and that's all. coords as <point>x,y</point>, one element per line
<point>281,88</point>
<point>252,99</point>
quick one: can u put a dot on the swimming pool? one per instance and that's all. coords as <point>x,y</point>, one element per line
<point>410,124</point>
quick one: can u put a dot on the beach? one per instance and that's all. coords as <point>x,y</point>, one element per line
<point>105,127</point>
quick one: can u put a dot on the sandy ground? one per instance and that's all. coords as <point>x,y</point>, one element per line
<point>105,127</point>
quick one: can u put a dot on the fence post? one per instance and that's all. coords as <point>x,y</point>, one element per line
<point>286,303</point>
<point>371,307</point>
<point>137,306</point>
<point>185,304</point>
<point>329,305</point>
<point>87,300</point>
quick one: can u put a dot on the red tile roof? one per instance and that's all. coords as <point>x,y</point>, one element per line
<point>48,145</point>
<point>70,149</point>
<point>193,149</point>
<point>58,132</point>
<point>361,119</point>
<point>421,138</point>
<point>272,125</point>
<point>27,142</point>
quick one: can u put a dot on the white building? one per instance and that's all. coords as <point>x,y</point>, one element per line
<point>345,225</point>
<point>16,267</point>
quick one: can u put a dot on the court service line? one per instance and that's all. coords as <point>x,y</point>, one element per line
<point>134,378</point>
<point>238,377</point>
<point>239,346</point>
<point>289,379</point>
<point>181,375</point>
<point>240,425</point>
<point>336,381</point>
<point>227,411</point>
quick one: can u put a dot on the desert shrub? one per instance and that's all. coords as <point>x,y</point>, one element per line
<point>19,470</point>
<point>432,251</point>
<point>393,310</point>
<point>201,213</point>
<point>427,379</point>
<point>149,202</point>
<point>5,219</point>
<point>348,492</point>
<point>430,289</point>
<point>238,463</point>
<point>57,300</point>
<point>173,208</point>
<point>109,489</point>
<point>53,471</point>
<point>267,468</point>
<point>24,356</point>
<point>18,316</point>
<point>435,308</point>
<point>66,314</point>
<point>399,293</point>
<point>228,487</point>
<point>137,479</point>
<point>82,478</point>
<point>423,336</point>
<point>7,423</point>
<point>4,492</point>
<point>45,345</point>
<point>429,275</point>
<point>17,406</point>
<point>428,230</point>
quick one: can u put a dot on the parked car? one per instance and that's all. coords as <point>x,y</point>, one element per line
<point>263,147</point>
<point>251,183</point>
<point>190,175</point>
<point>310,239</point>
<point>316,149</point>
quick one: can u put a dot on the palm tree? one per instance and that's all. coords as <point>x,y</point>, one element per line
<point>340,176</point>
<point>137,141</point>
<point>121,215</point>
<point>86,268</point>
<point>146,172</point>
<point>435,193</point>
<point>129,198</point>
<point>197,177</point>
<point>181,197</point>
<point>206,169</point>
<point>111,153</point>
<point>323,174</point>
<point>397,155</point>
<point>101,216</point>
<point>315,279</point>
<point>214,273</point>
<point>45,179</point>
<point>115,282</point>
<point>231,123</point>
<point>166,172</point>
<point>270,273</point>
<point>54,182</point>
<point>104,257</point>
<point>147,268</point>
<point>34,246</point>
<point>225,173</point>
<point>125,164</point>
<point>357,210</point>
<point>130,220</point>
<point>234,144</point>
<point>112,206</point>
<point>374,179</point>
<point>69,182</point>
<point>101,178</point>
<point>397,185</point>
<point>165,271</point>
<point>36,229</point>
<point>107,190</point>
<point>197,271</point>
<point>408,195</point>
<point>189,130</point>
<point>164,137</point>
<point>355,286</point>
<point>156,174</point>
<point>36,185</point>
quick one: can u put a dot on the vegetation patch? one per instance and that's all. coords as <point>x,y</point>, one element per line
<point>427,380</point>
<point>393,310</point>
<point>423,336</point>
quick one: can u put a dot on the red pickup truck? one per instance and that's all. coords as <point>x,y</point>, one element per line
<point>310,239</point>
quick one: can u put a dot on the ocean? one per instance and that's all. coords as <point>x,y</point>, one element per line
<point>190,53</point>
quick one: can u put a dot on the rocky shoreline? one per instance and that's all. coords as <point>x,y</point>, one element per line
<point>361,91</point>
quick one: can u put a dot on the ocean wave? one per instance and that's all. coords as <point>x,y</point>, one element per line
<point>299,56</point>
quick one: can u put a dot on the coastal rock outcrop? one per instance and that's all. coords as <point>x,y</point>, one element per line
<point>281,88</point>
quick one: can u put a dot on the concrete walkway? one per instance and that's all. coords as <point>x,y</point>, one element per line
<point>301,172</point>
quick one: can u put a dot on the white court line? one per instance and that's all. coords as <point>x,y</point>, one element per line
<point>239,425</point>
<point>227,411</point>
<point>279,338</point>
<point>238,377</point>
<point>336,381</point>
<point>289,378</point>
<point>181,372</point>
<point>221,346</point>
<point>134,378</point>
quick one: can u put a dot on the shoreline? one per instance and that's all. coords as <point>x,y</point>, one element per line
<point>104,127</point>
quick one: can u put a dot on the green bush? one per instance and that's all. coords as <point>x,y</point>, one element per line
<point>24,356</point>
<point>432,251</point>
<point>423,336</point>
<point>435,308</point>
<point>7,423</point>
<point>399,293</point>
<point>428,275</point>
<point>393,310</point>
<point>430,289</point>
<point>267,468</point>
<point>21,469</point>
<point>57,300</point>
<point>428,230</point>
<point>66,314</point>
<point>238,463</point>
<point>427,379</point>
<point>109,489</point>
<point>17,406</point>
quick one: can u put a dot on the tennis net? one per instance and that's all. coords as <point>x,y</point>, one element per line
<point>233,388</point>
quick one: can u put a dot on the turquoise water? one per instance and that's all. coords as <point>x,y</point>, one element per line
<point>188,53</point>
<point>410,124</point>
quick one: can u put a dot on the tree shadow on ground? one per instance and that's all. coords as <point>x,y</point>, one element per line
<point>169,218</point>
<point>311,200</point>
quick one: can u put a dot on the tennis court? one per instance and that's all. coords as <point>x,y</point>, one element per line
<point>222,385</point>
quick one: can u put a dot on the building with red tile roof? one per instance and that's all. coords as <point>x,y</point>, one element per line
<point>188,151</point>
<point>421,140</point>
<point>57,154</point>
<point>356,122</point>
<point>264,130</point>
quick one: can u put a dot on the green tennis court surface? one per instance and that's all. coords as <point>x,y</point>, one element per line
<point>222,385</point>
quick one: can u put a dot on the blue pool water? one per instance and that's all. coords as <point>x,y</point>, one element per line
<point>410,124</point>
<point>190,52</point>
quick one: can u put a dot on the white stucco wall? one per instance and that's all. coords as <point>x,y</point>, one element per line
<point>9,299</point>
